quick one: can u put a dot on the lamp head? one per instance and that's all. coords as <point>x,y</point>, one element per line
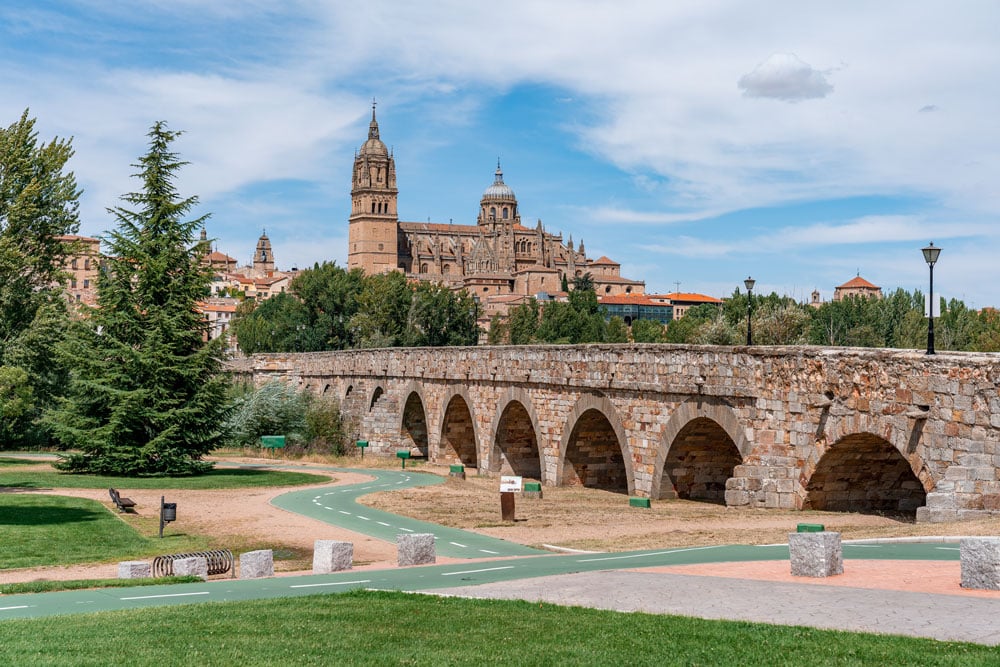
<point>931,254</point>
<point>749,283</point>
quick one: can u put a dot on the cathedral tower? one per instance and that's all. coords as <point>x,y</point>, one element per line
<point>373,225</point>
<point>263,258</point>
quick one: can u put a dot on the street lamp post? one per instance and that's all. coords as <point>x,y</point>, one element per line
<point>931,256</point>
<point>749,283</point>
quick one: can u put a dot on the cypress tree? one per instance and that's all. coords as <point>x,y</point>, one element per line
<point>146,396</point>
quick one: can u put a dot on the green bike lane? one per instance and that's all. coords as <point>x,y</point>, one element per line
<point>512,562</point>
<point>338,506</point>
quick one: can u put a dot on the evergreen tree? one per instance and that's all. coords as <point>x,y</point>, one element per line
<point>146,396</point>
<point>38,205</point>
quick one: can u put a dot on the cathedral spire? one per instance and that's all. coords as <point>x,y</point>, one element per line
<point>373,126</point>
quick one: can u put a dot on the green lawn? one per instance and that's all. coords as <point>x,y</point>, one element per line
<point>221,478</point>
<point>379,628</point>
<point>58,530</point>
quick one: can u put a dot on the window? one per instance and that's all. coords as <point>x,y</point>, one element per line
<point>72,283</point>
<point>381,246</point>
<point>493,213</point>
<point>86,264</point>
<point>86,283</point>
<point>506,213</point>
<point>73,263</point>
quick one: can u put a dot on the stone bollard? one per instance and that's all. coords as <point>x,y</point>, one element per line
<point>257,564</point>
<point>816,554</point>
<point>196,566</point>
<point>332,556</point>
<point>415,549</point>
<point>980,562</point>
<point>134,569</point>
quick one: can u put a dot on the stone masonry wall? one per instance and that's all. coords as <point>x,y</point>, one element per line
<point>781,408</point>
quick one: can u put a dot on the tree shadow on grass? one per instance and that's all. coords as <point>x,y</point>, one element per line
<point>46,515</point>
<point>22,487</point>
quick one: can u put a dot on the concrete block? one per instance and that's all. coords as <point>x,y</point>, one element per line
<point>980,562</point>
<point>816,554</point>
<point>932,515</point>
<point>196,566</point>
<point>257,564</point>
<point>134,569</point>
<point>415,549</point>
<point>941,501</point>
<point>332,556</point>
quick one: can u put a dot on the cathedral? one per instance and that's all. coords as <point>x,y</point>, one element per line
<point>500,261</point>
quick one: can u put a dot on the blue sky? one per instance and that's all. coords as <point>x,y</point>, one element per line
<point>692,141</point>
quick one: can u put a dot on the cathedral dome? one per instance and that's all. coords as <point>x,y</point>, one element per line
<point>374,147</point>
<point>499,189</point>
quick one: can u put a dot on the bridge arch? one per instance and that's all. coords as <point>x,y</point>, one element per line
<point>413,429</point>
<point>377,393</point>
<point>864,472</point>
<point>458,441</point>
<point>594,450</point>
<point>701,445</point>
<point>515,437</point>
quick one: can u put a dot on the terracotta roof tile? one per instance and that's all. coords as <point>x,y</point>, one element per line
<point>688,296</point>
<point>858,282</point>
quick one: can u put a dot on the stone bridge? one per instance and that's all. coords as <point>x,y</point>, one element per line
<point>784,427</point>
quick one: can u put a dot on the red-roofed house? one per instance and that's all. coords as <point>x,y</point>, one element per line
<point>684,301</point>
<point>857,286</point>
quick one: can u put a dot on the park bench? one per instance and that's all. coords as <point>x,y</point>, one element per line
<point>123,504</point>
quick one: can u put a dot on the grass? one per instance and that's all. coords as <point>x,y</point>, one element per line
<point>384,628</point>
<point>220,478</point>
<point>58,530</point>
<point>80,584</point>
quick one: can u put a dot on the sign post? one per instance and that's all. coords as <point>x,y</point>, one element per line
<point>509,485</point>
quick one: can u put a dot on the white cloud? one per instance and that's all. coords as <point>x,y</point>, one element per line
<point>783,76</point>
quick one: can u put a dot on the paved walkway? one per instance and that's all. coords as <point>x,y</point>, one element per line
<point>944,617</point>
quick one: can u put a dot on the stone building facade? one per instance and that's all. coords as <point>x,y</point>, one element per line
<point>495,258</point>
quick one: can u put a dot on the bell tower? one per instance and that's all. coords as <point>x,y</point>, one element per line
<point>373,225</point>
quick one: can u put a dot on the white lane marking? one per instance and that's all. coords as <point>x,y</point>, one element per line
<point>487,551</point>
<point>343,512</point>
<point>658,553</point>
<point>383,523</point>
<point>333,583</point>
<point>20,606</point>
<point>459,545</point>
<point>363,518</point>
<point>568,550</point>
<point>948,548</point>
<point>171,595</point>
<point>407,530</point>
<point>863,546</point>
<point>487,569</point>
